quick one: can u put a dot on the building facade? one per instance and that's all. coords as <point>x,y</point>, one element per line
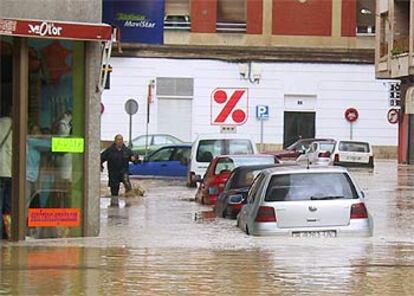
<point>307,62</point>
<point>394,59</point>
<point>51,53</point>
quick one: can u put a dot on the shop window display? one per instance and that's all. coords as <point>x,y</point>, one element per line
<point>55,110</point>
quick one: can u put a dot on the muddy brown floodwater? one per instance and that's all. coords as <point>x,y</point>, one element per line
<point>166,244</point>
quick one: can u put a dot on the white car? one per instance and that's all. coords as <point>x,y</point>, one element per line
<point>319,152</point>
<point>353,153</point>
<point>305,202</point>
<point>208,146</point>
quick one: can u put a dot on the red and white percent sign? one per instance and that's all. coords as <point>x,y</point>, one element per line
<point>229,106</point>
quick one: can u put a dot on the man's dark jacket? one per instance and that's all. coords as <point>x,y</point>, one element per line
<point>118,162</point>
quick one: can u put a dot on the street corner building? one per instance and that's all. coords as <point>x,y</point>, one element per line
<point>51,56</point>
<point>276,70</point>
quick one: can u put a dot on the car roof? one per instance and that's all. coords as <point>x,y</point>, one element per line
<point>245,156</point>
<point>184,145</point>
<point>150,135</point>
<point>353,141</point>
<point>221,136</point>
<point>243,168</point>
<point>315,140</point>
<point>300,169</point>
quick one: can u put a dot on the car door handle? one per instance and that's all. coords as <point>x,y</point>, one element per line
<point>163,165</point>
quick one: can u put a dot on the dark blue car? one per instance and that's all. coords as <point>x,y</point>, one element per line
<point>168,161</point>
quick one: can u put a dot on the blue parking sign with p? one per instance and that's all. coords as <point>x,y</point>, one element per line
<point>262,112</point>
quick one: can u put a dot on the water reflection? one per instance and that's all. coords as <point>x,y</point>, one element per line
<point>158,247</point>
<point>338,269</point>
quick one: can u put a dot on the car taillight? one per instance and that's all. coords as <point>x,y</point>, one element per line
<point>359,211</point>
<point>266,214</point>
<point>324,154</point>
<point>336,157</point>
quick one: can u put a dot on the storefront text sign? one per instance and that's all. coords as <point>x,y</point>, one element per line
<point>54,217</point>
<point>45,29</point>
<point>139,21</point>
<point>55,30</point>
<point>68,145</point>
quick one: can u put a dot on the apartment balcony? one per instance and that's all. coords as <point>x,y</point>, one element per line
<point>397,61</point>
<point>395,56</point>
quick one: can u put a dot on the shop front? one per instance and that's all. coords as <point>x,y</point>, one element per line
<point>44,114</point>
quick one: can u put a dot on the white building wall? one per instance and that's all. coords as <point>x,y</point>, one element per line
<point>336,87</point>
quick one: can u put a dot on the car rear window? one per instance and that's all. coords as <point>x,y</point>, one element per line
<point>208,149</point>
<point>353,146</point>
<point>236,146</point>
<point>245,178</point>
<point>327,146</point>
<point>229,163</point>
<point>310,186</point>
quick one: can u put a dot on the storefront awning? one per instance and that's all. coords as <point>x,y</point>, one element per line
<point>55,29</point>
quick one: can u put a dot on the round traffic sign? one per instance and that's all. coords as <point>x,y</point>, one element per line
<point>351,114</point>
<point>131,107</point>
<point>393,116</point>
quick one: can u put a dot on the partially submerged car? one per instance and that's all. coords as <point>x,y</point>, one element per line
<point>233,197</point>
<point>293,151</point>
<point>319,153</point>
<point>146,144</point>
<point>305,202</point>
<point>353,154</point>
<point>208,146</point>
<point>168,161</point>
<point>219,171</point>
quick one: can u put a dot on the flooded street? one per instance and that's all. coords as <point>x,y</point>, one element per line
<point>166,244</point>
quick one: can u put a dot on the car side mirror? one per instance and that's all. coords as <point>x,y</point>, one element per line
<point>362,194</point>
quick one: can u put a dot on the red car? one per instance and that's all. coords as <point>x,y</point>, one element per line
<point>219,171</point>
<point>299,147</point>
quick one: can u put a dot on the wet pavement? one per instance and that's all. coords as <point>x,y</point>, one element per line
<point>166,244</point>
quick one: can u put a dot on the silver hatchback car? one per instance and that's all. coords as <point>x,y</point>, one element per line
<point>305,202</point>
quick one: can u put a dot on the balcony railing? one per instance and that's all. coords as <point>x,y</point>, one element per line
<point>177,22</point>
<point>224,27</point>
<point>400,46</point>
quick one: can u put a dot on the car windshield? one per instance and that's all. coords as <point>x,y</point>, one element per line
<point>208,149</point>
<point>165,139</point>
<point>349,146</point>
<point>299,145</point>
<point>310,186</point>
<point>140,141</point>
<point>228,164</point>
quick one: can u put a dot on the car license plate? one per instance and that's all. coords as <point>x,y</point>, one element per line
<point>330,233</point>
<point>353,158</point>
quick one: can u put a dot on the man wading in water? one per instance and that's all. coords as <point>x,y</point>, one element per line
<point>118,157</point>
